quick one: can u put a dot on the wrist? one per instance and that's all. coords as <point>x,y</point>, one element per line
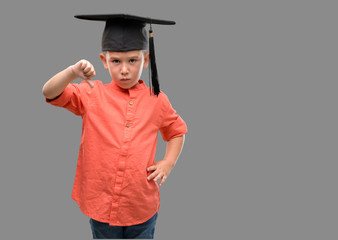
<point>71,73</point>
<point>170,162</point>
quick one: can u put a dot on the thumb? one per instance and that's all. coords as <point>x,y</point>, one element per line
<point>90,82</point>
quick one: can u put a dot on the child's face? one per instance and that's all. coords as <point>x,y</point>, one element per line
<point>125,68</point>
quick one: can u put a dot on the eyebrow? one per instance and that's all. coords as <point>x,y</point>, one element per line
<point>115,57</point>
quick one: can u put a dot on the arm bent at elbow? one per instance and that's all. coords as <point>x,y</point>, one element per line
<point>162,169</point>
<point>55,86</point>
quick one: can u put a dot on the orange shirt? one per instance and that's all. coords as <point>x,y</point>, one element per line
<point>118,143</point>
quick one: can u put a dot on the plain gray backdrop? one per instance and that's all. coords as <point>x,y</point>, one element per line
<point>255,81</point>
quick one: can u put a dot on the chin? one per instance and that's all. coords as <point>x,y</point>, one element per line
<point>124,87</point>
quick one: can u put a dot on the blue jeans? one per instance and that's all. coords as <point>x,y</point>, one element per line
<point>144,230</point>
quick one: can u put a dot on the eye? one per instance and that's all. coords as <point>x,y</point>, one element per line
<point>115,61</point>
<point>133,60</point>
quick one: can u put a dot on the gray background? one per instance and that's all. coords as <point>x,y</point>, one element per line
<point>255,81</point>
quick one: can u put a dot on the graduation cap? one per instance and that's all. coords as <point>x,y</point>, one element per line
<point>125,32</point>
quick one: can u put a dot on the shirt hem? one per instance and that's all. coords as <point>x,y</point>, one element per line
<point>97,218</point>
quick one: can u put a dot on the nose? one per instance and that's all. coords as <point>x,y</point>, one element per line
<point>124,69</point>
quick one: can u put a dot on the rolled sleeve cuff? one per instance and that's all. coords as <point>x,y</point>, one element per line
<point>63,98</point>
<point>176,129</point>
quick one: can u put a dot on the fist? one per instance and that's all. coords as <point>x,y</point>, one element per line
<point>85,70</point>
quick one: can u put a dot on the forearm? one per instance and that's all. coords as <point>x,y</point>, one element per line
<point>55,86</point>
<point>173,151</point>
<point>162,169</point>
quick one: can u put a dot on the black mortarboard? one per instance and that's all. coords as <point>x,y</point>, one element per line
<point>127,33</point>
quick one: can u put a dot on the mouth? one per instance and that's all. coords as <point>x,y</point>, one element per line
<point>124,79</point>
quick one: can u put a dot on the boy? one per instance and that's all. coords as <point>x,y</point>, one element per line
<point>116,177</point>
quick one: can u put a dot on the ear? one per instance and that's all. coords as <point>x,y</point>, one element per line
<point>146,60</point>
<point>104,60</point>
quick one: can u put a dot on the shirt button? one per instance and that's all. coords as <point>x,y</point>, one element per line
<point>128,125</point>
<point>130,102</point>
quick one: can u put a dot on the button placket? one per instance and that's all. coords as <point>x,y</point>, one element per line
<point>123,157</point>
<point>129,119</point>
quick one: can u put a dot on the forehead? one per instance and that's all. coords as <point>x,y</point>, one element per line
<point>135,53</point>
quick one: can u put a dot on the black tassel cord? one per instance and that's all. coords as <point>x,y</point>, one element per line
<point>153,67</point>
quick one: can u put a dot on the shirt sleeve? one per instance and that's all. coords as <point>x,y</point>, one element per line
<point>73,98</point>
<point>172,125</point>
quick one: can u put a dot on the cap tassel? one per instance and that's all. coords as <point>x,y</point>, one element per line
<point>153,68</point>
